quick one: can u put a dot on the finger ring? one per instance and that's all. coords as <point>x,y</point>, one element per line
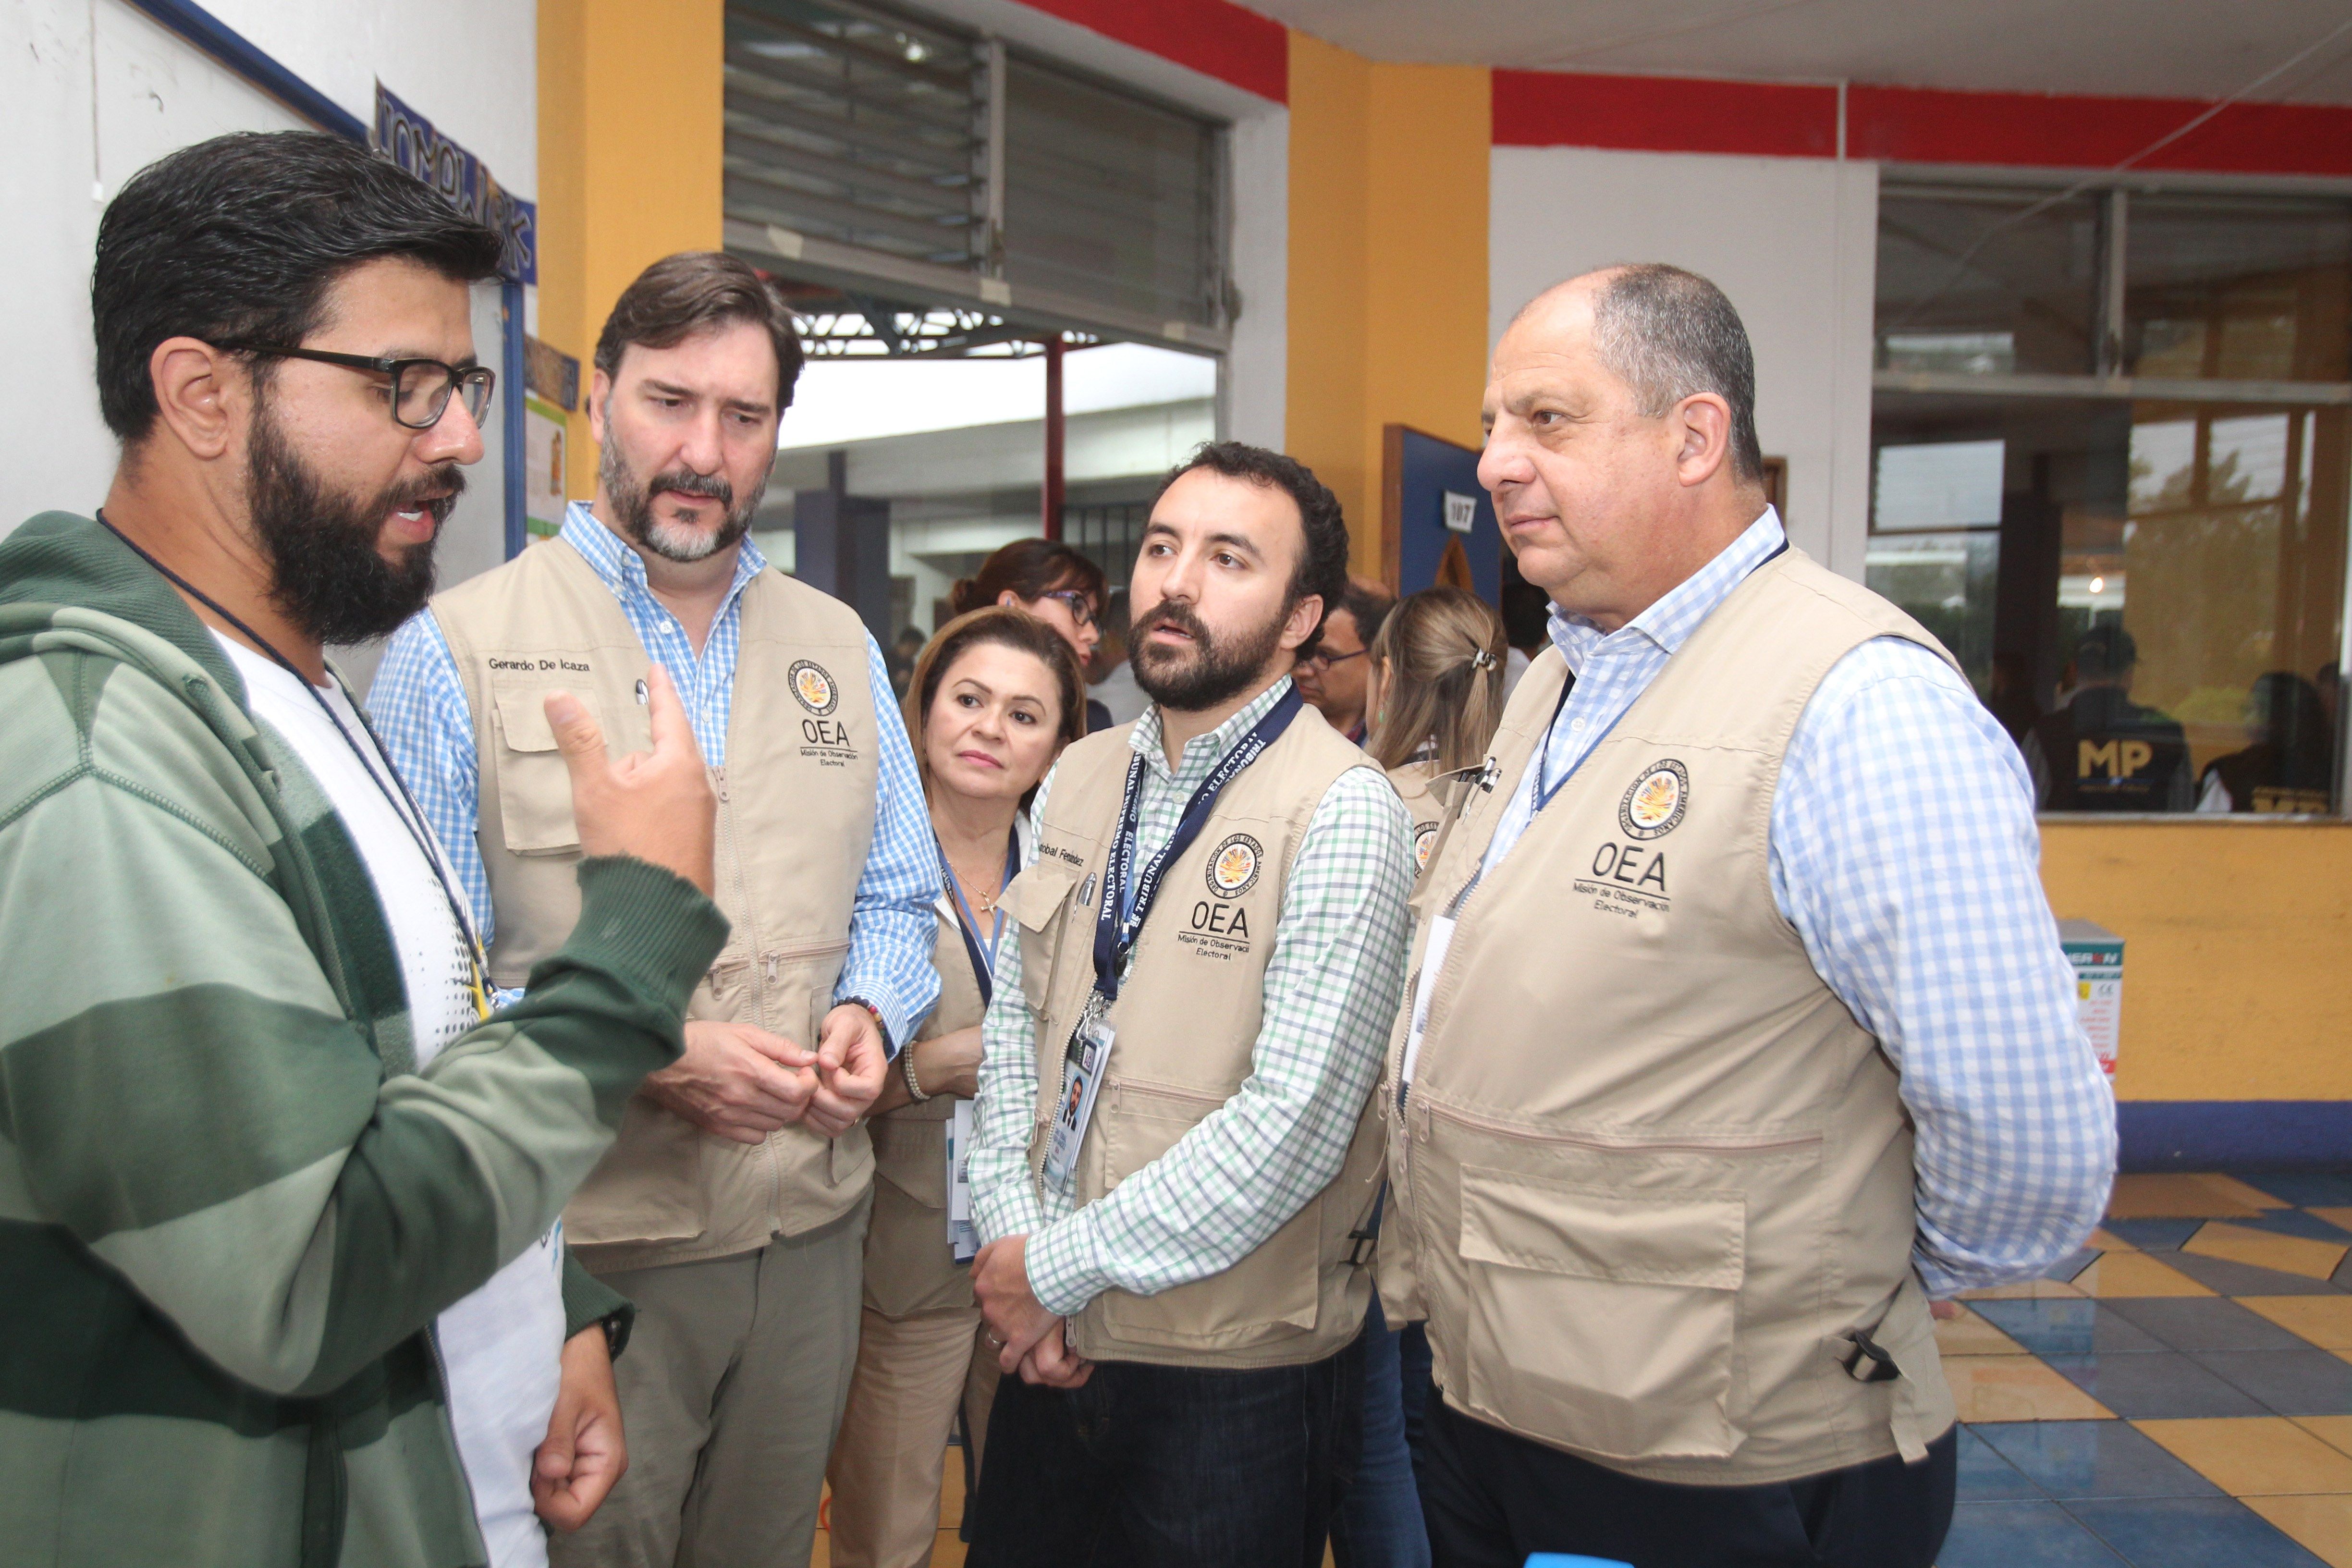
<point>995,1343</point>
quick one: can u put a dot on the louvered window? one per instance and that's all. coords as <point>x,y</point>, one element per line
<point>910,166</point>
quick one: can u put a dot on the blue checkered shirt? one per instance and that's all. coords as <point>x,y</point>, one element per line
<point>1904,850</point>
<point>419,707</point>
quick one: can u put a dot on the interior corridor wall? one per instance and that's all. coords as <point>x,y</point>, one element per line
<point>96,90</point>
<point>1791,240</point>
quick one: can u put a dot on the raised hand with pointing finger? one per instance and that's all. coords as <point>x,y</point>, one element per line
<point>656,805</point>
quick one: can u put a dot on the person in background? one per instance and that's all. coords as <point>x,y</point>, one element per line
<point>1525,610</point>
<point>1053,583</point>
<point>1174,1261</point>
<point>2289,762</point>
<point>996,697</point>
<point>1435,696</point>
<point>282,1274</point>
<point>2100,751</point>
<point>1332,676</point>
<point>900,660</point>
<point>1741,1030</point>
<point>733,1208</point>
<point>1114,684</point>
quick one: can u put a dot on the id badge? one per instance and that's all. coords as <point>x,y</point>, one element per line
<point>963,1235</point>
<point>1091,1057</point>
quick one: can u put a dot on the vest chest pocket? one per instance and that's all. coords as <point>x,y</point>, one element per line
<point>1602,1319</point>
<point>1035,899</point>
<point>534,786</point>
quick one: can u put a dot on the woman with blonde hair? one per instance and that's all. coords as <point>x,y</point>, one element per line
<point>1436,696</point>
<point>994,699</point>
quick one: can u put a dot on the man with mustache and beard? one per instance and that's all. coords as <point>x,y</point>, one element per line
<point>1211,944</point>
<point>278,1194</point>
<point>733,1210</point>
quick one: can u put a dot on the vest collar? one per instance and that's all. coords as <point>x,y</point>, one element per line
<point>1670,622</point>
<point>1202,752</point>
<point>624,571</point>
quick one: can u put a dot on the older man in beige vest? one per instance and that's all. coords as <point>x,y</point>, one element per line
<point>1177,1153</point>
<point>1740,1027</point>
<point>732,1210</point>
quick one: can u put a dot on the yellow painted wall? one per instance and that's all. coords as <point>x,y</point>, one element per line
<point>2235,940</point>
<point>1388,264</point>
<point>631,135</point>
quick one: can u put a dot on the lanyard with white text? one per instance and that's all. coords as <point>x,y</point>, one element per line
<point>1115,936</point>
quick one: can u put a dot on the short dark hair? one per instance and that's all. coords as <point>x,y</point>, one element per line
<point>2105,652</point>
<point>1668,334</point>
<point>696,291</point>
<point>240,238</point>
<point>1367,604</point>
<point>1526,615</point>
<point>1323,563</point>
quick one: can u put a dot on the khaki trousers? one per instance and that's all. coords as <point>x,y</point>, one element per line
<point>912,1375</point>
<point>730,1390</point>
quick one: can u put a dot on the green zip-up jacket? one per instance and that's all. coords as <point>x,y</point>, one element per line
<point>230,1205</point>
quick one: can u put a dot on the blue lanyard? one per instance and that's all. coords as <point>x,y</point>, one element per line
<point>983,958</point>
<point>1123,913</point>
<point>1543,759</point>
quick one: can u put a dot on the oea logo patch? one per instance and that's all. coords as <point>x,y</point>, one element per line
<point>1232,869</point>
<point>1654,806</point>
<point>813,686</point>
<point>1424,839</point>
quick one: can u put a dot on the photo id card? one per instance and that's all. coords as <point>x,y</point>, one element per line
<point>1092,1056</point>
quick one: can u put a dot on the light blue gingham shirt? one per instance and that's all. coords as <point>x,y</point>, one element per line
<point>419,707</point>
<point>1904,850</point>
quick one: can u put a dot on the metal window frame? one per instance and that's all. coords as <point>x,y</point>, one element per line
<point>2114,189</point>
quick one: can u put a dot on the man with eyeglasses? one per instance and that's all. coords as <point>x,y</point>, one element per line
<point>733,1211</point>
<point>277,1194</point>
<point>1336,678</point>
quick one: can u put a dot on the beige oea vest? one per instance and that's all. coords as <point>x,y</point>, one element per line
<point>796,803</point>
<point>1185,1023</point>
<point>1650,1173</point>
<point>1417,784</point>
<point>909,1268</point>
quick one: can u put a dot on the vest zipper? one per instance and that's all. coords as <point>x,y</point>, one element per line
<point>761,974</point>
<point>1427,1111</point>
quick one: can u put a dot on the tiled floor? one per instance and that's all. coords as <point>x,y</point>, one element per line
<point>2178,1394</point>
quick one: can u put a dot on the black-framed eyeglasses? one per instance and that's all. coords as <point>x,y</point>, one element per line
<point>420,387</point>
<point>1082,609</point>
<point>1323,659</point>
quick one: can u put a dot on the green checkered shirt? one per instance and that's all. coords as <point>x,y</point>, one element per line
<point>1332,987</point>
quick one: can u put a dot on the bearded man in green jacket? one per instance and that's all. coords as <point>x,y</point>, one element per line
<point>258,1132</point>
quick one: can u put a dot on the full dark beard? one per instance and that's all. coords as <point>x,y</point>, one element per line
<point>633,508</point>
<point>1212,674</point>
<point>327,572</point>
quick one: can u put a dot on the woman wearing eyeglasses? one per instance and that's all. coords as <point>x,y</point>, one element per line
<point>1433,697</point>
<point>1053,583</point>
<point>992,701</point>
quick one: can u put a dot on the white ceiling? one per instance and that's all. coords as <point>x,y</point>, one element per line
<point>2163,48</point>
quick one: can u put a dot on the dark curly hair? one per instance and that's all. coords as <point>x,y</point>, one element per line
<point>1323,565</point>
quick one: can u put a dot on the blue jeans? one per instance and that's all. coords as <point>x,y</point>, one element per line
<point>1165,1467</point>
<point>1379,1524</point>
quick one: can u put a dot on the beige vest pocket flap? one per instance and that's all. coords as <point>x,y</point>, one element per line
<point>522,716</point>
<point>1668,1239</point>
<point>1034,897</point>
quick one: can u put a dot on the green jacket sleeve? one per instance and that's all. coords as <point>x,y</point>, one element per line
<point>588,1301</point>
<point>179,1088</point>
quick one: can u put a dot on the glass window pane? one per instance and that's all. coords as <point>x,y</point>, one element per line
<point>2237,289</point>
<point>2155,613</point>
<point>1974,280</point>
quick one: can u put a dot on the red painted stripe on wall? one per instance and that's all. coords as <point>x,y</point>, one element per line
<point>1913,125</point>
<point>1663,115</point>
<point>1214,38</point>
<point>1927,126</point>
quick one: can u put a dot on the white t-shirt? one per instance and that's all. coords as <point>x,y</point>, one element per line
<point>503,1344</point>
